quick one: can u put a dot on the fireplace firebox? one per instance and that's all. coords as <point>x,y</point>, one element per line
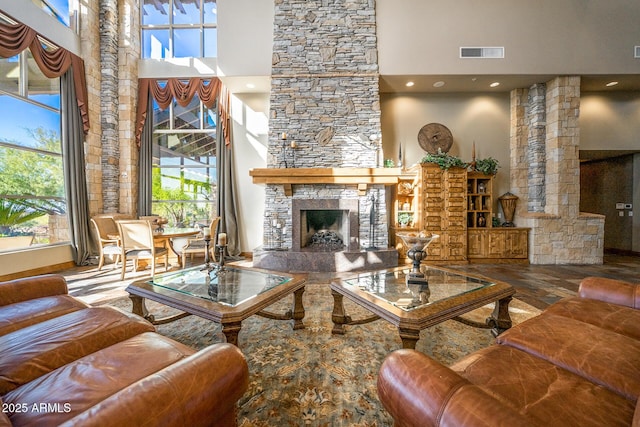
<point>324,225</point>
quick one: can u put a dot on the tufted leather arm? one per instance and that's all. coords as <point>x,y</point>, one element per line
<point>28,288</point>
<point>418,391</point>
<point>611,291</point>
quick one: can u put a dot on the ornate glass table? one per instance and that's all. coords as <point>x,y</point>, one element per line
<point>411,307</point>
<point>226,297</point>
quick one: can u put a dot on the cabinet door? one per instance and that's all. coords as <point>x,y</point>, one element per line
<point>517,243</point>
<point>477,243</point>
<point>497,244</point>
<point>432,199</point>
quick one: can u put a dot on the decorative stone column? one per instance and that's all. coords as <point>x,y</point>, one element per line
<point>109,105</point>
<point>536,121</point>
<point>560,233</point>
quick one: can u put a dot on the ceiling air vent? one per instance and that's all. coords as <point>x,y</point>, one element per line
<point>636,52</point>
<point>482,52</point>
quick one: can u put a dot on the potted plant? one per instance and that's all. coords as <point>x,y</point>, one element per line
<point>488,166</point>
<point>444,160</point>
<point>405,218</point>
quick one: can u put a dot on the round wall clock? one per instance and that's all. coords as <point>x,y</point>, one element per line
<point>434,136</point>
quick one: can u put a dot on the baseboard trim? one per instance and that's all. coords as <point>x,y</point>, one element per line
<point>613,251</point>
<point>38,271</point>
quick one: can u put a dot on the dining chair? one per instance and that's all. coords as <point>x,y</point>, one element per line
<point>197,244</point>
<point>107,237</point>
<point>137,243</point>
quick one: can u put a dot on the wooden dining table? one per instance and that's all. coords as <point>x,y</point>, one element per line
<point>173,238</point>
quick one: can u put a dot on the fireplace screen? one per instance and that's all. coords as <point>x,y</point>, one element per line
<point>324,230</point>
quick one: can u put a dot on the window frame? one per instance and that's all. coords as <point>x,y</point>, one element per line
<point>171,130</point>
<point>171,27</point>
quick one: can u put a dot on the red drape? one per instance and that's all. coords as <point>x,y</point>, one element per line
<point>53,63</point>
<point>182,92</point>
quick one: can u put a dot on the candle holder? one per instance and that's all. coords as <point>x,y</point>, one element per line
<point>417,245</point>
<point>207,257</point>
<point>221,251</point>
<point>288,152</point>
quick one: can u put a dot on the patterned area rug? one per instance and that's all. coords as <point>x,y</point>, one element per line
<point>310,377</point>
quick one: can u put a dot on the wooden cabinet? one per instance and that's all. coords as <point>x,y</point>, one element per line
<point>499,244</point>
<point>458,206</point>
<point>444,212</point>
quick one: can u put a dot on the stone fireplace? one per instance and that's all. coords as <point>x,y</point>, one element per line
<point>324,141</point>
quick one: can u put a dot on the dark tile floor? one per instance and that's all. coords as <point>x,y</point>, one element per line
<point>542,285</point>
<point>537,285</point>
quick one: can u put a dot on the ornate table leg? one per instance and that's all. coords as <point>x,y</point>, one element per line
<point>338,315</point>
<point>409,337</point>
<point>140,308</point>
<point>298,309</point>
<point>500,320</point>
<point>230,331</point>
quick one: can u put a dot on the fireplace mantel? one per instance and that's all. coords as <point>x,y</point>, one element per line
<point>354,176</point>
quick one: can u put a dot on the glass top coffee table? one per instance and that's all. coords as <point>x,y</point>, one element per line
<point>226,297</point>
<point>411,307</point>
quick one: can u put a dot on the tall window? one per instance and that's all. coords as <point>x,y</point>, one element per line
<point>32,196</point>
<point>59,9</point>
<point>179,28</point>
<point>184,163</point>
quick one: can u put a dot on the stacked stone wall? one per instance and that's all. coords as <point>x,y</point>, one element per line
<point>325,97</point>
<point>89,33</point>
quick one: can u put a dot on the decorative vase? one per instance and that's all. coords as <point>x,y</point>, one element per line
<point>508,202</point>
<point>482,221</point>
<point>417,245</point>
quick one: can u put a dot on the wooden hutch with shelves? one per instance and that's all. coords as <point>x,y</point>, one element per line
<point>406,205</point>
<point>458,206</point>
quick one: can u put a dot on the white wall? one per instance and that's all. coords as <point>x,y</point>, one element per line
<point>553,37</point>
<point>250,117</point>
<point>34,258</point>
<point>480,118</point>
<point>245,39</point>
<point>610,121</point>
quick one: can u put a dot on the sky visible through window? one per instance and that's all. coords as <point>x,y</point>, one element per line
<point>18,117</point>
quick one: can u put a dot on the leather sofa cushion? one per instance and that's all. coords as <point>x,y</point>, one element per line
<point>617,318</point>
<point>31,352</point>
<point>604,357</point>
<point>22,314</point>
<point>543,391</point>
<point>96,377</point>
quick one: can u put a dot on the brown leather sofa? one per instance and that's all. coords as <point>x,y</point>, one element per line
<point>576,364</point>
<point>63,362</point>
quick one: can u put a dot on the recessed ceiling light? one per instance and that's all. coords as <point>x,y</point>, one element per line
<point>611,84</point>
<point>495,84</point>
<point>409,84</point>
<point>251,86</point>
<point>438,84</point>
